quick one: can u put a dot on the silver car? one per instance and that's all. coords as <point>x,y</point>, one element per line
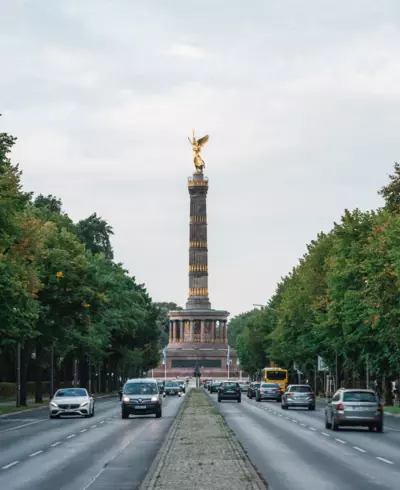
<point>354,408</point>
<point>71,401</point>
<point>298,396</point>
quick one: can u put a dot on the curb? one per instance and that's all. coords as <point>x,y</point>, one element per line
<point>45,406</point>
<point>156,466</point>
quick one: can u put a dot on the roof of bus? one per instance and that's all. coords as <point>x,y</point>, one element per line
<point>274,369</point>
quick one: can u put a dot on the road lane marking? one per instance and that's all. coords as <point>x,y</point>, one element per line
<point>312,428</point>
<point>93,426</point>
<point>325,434</point>
<point>391,428</point>
<point>83,430</point>
<point>295,421</point>
<point>359,449</point>
<point>21,426</point>
<point>384,460</point>
<point>35,454</point>
<point>287,418</point>
<point>340,440</point>
<point>9,465</point>
<point>303,425</point>
<point>55,444</point>
<point>71,436</point>
<point>102,422</point>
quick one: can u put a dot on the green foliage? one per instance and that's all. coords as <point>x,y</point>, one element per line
<point>341,301</point>
<point>61,290</point>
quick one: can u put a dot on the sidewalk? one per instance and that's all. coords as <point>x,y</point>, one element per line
<point>201,452</point>
<point>30,400</point>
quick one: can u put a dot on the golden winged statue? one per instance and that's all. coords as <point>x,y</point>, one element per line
<point>197,146</point>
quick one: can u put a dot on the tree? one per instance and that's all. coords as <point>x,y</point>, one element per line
<point>95,233</point>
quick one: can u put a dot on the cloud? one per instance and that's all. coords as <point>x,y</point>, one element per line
<point>186,51</point>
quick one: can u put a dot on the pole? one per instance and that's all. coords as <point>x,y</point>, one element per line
<point>75,373</point>
<point>336,374</point>
<point>52,372</point>
<point>367,370</point>
<point>18,401</point>
<point>152,373</point>
<point>315,382</point>
<point>165,370</point>
<point>90,375</point>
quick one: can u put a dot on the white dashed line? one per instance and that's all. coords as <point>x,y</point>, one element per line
<point>359,449</point>
<point>340,440</point>
<point>280,415</point>
<point>325,434</point>
<point>102,422</point>
<point>71,436</point>
<point>312,428</point>
<point>287,418</point>
<point>20,426</point>
<point>295,421</point>
<point>384,460</point>
<point>93,426</point>
<point>55,444</point>
<point>303,425</point>
<point>35,454</point>
<point>9,465</point>
<point>83,430</point>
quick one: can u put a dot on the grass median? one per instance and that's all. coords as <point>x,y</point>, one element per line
<point>395,410</point>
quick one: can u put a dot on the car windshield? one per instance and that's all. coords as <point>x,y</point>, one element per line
<point>71,392</point>
<point>278,375</point>
<point>269,385</point>
<point>171,384</point>
<point>229,385</point>
<point>141,388</point>
<point>359,396</point>
<point>256,385</point>
<point>300,389</point>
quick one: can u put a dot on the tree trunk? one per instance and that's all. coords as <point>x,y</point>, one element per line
<point>83,372</point>
<point>25,353</point>
<point>38,375</point>
<point>388,391</point>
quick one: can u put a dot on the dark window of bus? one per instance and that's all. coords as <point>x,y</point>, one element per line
<point>276,375</point>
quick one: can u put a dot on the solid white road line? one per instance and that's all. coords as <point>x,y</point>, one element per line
<point>359,449</point>
<point>21,426</point>
<point>35,454</point>
<point>384,460</point>
<point>9,465</point>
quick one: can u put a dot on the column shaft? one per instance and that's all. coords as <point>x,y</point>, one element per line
<point>170,332</point>
<point>202,331</point>
<point>181,333</point>
<point>212,331</point>
<point>174,331</point>
<point>191,331</point>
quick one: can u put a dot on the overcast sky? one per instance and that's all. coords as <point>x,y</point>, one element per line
<point>301,100</point>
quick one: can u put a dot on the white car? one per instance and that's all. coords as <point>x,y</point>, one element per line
<point>71,401</point>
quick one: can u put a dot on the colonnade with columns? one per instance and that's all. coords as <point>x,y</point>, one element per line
<point>191,330</point>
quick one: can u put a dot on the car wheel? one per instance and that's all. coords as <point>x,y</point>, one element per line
<point>311,407</point>
<point>335,425</point>
<point>52,416</point>
<point>158,414</point>
<point>284,406</point>
<point>219,400</point>
<point>239,400</point>
<point>92,415</point>
<point>327,424</point>
<point>258,399</point>
<point>124,415</point>
<point>379,427</point>
<point>278,400</point>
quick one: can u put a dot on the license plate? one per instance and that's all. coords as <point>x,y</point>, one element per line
<point>140,407</point>
<point>358,409</point>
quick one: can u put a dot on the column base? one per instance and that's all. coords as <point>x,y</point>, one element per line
<point>198,303</point>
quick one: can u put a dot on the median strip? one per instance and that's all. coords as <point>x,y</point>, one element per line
<point>201,449</point>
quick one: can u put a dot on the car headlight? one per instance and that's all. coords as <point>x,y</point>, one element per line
<point>154,399</point>
<point>125,399</point>
<point>84,404</point>
<point>54,404</point>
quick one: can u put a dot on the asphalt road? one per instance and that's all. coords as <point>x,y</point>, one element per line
<point>293,450</point>
<point>103,452</point>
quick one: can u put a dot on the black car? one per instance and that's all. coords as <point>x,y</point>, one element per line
<point>141,397</point>
<point>172,388</point>
<point>182,384</point>
<point>214,387</point>
<point>251,392</point>
<point>229,390</point>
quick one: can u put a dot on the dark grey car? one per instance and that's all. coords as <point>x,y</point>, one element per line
<point>141,397</point>
<point>298,396</point>
<point>268,391</point>
<point>354,408</point>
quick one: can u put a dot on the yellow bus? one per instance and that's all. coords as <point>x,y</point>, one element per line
<point>276,375</point>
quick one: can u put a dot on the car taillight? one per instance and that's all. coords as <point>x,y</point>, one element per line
<point>237,389</point>
<point>221,389</point>
<point>380,408</point>
<point>339,407</point>
<point>310,394</point>
<point>278,391</point>
<point>290,394</point>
